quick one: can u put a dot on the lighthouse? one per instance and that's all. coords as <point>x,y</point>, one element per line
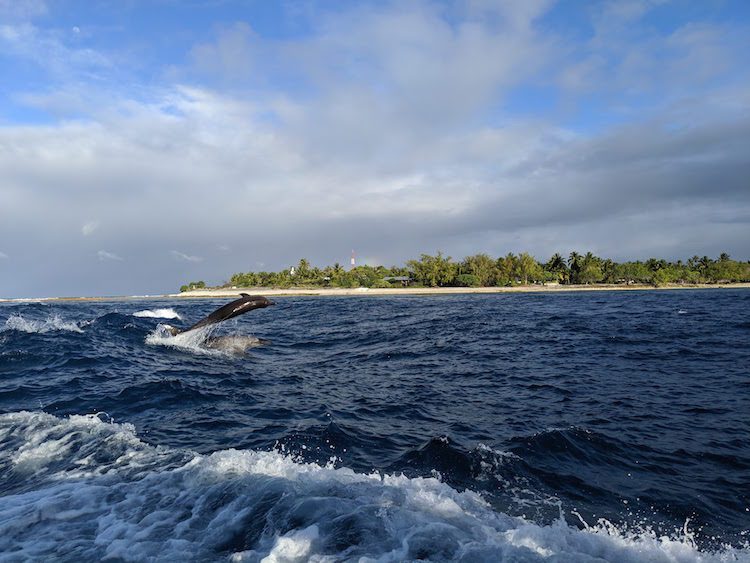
<point>353,262</point>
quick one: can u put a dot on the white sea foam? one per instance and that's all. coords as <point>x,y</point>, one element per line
<point>191,341</point>
<point>82,489</point>
<point>50,324</point>
<point>158,314</point>
<point>200,341</point>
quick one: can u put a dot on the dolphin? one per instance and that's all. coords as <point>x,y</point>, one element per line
<point>237,307</point>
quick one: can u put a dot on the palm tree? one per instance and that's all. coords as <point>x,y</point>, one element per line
<point>575,266</point>
<point>556,265</point>
<point>608,270</point>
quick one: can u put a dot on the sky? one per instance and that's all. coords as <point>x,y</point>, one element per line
<point>145,144</point>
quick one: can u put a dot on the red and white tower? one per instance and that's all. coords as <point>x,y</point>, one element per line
<point>353,261</point>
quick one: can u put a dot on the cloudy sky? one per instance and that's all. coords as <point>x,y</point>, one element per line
<point>144,144</point>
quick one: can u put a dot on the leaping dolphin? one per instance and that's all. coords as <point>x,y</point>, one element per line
<point>238,307</point>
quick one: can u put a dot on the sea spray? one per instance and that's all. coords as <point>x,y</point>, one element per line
<point>191,341</point>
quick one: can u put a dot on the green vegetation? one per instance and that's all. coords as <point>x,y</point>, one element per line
<point>482,270</point>
<point>193,285</point>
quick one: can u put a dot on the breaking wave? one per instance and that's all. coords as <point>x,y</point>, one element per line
<point>84,488</point>
<point>158,314</point>
<point>50,324</point>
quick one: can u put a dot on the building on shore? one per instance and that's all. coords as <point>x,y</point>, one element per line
<point>403,281</point>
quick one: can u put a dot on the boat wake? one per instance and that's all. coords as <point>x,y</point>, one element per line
<point>83,488</point>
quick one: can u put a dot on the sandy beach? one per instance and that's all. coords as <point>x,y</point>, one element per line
<point>360,291</point>
<point>338,292</point>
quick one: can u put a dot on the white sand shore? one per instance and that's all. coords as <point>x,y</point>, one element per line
<point>337,292</point>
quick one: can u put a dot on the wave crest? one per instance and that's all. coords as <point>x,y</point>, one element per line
<point>158,314</point>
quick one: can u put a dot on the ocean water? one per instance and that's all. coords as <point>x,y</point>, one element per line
<point>602,426</point>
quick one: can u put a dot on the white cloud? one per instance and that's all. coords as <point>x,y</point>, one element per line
<point>394,139</point>
<point>185,257</point>
<point>104,255</point>
<point>89,227</point>
<point>202,170</point>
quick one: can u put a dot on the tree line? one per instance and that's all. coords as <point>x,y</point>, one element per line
<point>482,270</point>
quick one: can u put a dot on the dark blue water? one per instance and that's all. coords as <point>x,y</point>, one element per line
<point>581,425</point>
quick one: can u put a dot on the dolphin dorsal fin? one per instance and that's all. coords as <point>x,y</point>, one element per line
<point>244,295</point>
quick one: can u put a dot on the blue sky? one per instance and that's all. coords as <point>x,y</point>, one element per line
<point>145,144</point>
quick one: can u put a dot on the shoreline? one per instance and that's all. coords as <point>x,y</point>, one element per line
<point>362,291</point>
<point>337,292</point>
